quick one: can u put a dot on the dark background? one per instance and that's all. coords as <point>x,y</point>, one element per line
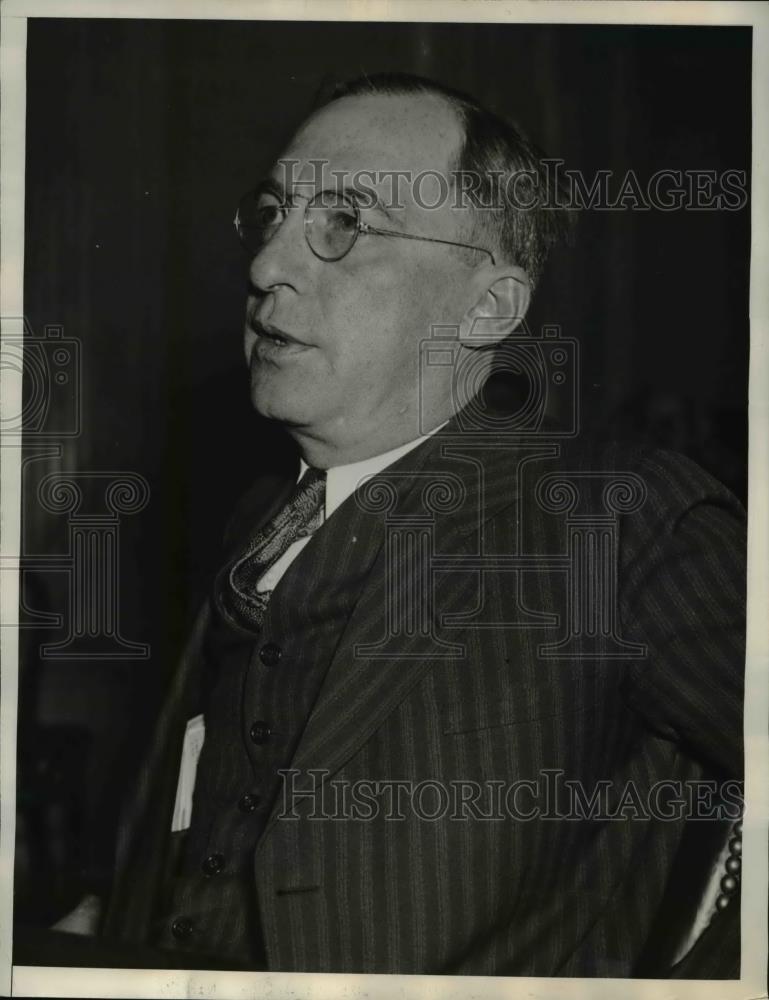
<point>141,136</point>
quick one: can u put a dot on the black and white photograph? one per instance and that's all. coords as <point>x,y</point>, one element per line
<point>384,513</point>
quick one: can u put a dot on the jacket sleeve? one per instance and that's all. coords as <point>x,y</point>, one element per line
<point>682,579</point>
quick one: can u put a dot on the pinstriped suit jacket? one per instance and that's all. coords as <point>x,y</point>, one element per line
<point>475,692</point>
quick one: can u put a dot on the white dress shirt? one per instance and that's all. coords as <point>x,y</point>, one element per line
<point>341,482</point>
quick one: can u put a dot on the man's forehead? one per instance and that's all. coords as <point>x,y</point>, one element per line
<point>376,133</point>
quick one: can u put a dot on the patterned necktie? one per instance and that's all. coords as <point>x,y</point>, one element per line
<point>302,514</point>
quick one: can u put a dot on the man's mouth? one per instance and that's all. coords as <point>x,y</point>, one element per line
<point>273,337</point>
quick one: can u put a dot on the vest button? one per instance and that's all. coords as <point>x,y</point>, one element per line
<point>248,802</point>
<point>260,732</point>
<point>270,654</point>
<point>181,928</point>
<point>213,864</point>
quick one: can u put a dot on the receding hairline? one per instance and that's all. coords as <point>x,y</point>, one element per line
<point>491,150</point>
<point>379,96</point>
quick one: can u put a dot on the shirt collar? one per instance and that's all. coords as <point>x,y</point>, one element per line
<point>343,480</point>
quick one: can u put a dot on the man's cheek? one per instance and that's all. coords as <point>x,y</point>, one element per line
<point>382,271</point>
<point>389,292</point>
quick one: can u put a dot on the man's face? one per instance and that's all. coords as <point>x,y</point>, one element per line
<point>350,370</point>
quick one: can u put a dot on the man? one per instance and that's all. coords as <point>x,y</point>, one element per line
<point>448,662</point>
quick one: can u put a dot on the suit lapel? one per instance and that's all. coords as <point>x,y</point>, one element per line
<point>434,500</point>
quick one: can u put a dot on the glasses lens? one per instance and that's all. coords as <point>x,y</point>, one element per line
<point>257,220</point>
<point>330,225</point>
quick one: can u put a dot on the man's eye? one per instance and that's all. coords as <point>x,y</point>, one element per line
<point>268,215</point>
<point>341,220</point>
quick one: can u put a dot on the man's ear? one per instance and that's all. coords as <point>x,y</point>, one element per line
<point>499,309</point>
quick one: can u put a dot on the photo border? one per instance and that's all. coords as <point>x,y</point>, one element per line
<point>71,981</point>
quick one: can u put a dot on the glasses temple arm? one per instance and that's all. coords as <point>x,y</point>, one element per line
<point>365,228</point>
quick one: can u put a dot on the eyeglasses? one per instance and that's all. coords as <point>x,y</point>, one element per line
<point>332,225</point>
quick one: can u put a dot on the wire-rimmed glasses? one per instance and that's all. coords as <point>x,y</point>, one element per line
<point>332,225</point>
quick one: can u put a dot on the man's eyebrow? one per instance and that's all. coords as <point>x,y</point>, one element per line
<point>268,185</point>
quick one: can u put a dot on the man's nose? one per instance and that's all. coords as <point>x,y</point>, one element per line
<point>283,260</point>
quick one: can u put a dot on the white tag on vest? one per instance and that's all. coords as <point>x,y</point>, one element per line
<point>193,744</point>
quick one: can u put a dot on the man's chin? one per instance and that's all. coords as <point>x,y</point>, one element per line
<point>288,408</point>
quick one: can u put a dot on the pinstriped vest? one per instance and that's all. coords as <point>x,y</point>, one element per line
<point>257,696</point>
